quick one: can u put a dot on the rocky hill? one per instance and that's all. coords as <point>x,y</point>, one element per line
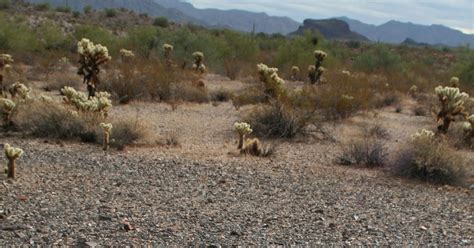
<point>396,32</point>
<point>331,29</point>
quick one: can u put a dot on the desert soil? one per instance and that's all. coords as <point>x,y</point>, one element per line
<point>204,193</point>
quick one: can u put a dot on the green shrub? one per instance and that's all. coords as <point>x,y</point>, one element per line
<point>76,14</point>
<point>161,22</point>
<point>5,4</point>
<point>379,58</point>
<point>42,7</point>
<point>110,12</point>
<point>64,9</point>
<point>142,40</point>
<point>87,9</point>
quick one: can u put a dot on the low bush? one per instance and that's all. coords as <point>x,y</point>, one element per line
<point>367,151</point>
<point>161,22</point>
<point>221,95</point>
<point>429,159</point>
<point>276,121</point>
<point>127,132</point>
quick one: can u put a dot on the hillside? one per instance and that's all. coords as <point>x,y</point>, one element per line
<point>332,29</point>
<point>396,32</point>
<point>140,6</point>
<point>236,19</point>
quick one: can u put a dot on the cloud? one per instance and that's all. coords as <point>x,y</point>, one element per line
<point>458,14</point>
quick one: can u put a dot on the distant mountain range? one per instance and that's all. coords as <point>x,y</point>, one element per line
<point>396,32</point>
<point>333,29</point>
<point>235,19</point>
<point>183,12</point>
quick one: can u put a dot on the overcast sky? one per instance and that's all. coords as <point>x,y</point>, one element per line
<point>458,14</point>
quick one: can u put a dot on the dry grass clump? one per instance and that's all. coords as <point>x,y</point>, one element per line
<point>367,151</point>
<point>429,159</point>
<point>276,120</point>
<point>221,95</point>
<point>127,132</point>
<point>153,81</point>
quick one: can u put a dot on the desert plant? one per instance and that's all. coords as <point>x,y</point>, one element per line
<point>273,84</point>
<point>469,130</point>
<point>295,71</point>
<point>161,22</point>
<point>6,107</point>
<point>316,71</point>
<point>198,62</point>
<point>100,103</point>
<point>12,155</point>
<point>92,56</point>
<point>429,159</point>
<point>5,63</point>
<point>126,55</point>
<point>452,104</point>
<point>413,91</point>
<point>454,82</point>
<point>107,128</point>
<point>368,150</point>
<point>243,129</point>
<point>249,146</point>
<point>346,73</point>
<point>168,53</point>
<point>20,90</point>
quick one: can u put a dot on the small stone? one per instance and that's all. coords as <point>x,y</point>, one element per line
<point>105,218</point>
<point>91,244</point>
<point>423,228</point>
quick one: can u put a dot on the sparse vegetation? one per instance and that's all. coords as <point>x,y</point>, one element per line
<point>429,159</point>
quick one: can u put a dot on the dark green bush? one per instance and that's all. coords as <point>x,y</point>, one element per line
<point>379,58</point>
<point>161,22</point>
<point>64,9</point>
<point>110,12</point>
<point>5,4</point>
<point>42,7</point>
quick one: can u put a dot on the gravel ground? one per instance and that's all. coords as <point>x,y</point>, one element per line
<point>204,193</point>
<point>75,194</point>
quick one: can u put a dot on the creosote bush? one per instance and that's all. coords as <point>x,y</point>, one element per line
<point>428,159</point>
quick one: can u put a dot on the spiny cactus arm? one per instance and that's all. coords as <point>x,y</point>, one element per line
<point>423,134</point>
<point>454,82</point>
<point>242,129</point>
<point>12,155</point>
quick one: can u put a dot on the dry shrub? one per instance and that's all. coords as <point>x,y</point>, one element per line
<point>152,80</point>
<point>420,110</point>
<point>221,95</point>
<point>276,121</point>
<point>55,121</point>
<point>431,160</point>
<point>386,99</point>
<point>58,80</point>
<point>127,132</point>
<point>248,96</point>
<point>172,138</point>
<point>340,98</point>
<point>52,120</point>
<point>367,151</point>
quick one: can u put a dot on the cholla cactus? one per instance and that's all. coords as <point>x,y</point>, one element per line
<point>248,146</point>
<point>315,72</point>
<point>452,104</point>
<point>107,128</point>
<point>100,103</point>
<point>346,73</point>
<point>469,129</point>
<point>295,71</point>
<point>19,89</point>
<point>126,55</point>
<point>454,82</point>
<point>5,63</point>
<point>92,56</point>
<point>12,155</point>
<point>413,91</point>
<point>198,65</point>
<point>243,129</point>
<point>423,134</point>
<point>168,53</point>
<point>274,85</point>
<point>6,107</point>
